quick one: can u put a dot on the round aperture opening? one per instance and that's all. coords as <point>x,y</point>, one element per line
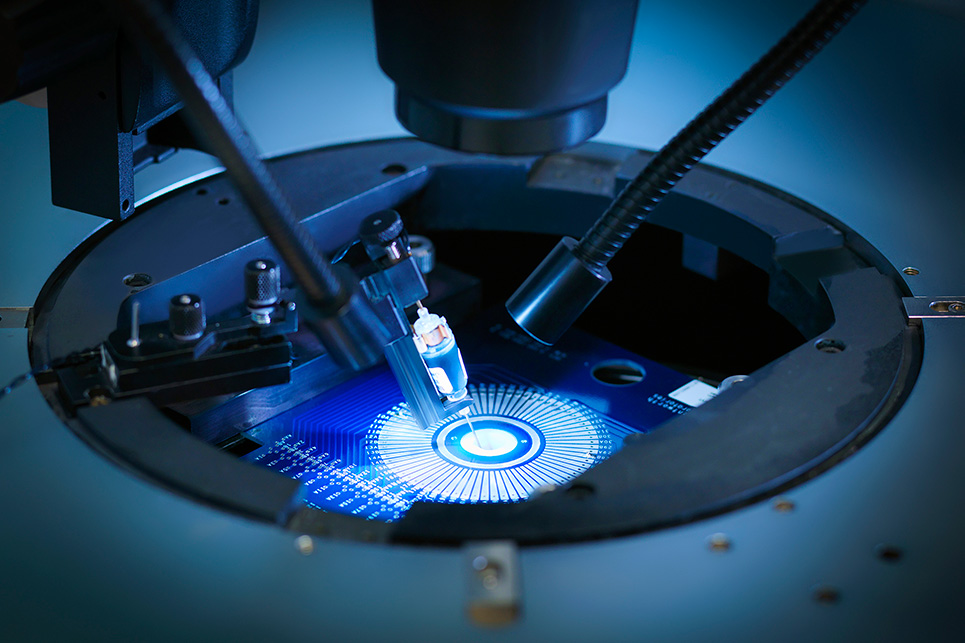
<point>618,372</point>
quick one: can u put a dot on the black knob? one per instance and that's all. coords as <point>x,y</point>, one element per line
<point>262,283</point>
<point>186,317</point>
<point>383,235</point>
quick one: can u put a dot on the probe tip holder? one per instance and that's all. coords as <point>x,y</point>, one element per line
<point>437,346</point>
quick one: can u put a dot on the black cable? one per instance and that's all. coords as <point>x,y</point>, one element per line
<point>639,198</point>
<point>214,123</point>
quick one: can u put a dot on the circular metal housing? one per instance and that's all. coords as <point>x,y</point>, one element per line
<point>540,86</point>
<point>807,404</point>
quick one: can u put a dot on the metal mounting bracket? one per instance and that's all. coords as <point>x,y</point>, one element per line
<point>934,307</point>
<point>16,316</point>
<point>494,589</point>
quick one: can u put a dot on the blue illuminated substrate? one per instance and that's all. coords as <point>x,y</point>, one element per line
<point>538,420</point>
<point>523,439</point>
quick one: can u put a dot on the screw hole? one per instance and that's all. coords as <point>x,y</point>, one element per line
<point>618,373</point>
<point>830,345</point>
<point>394,169</point>
<point>102,95</point>
<point>224,201</point>
<point>888,553</point>
<point>580,491</point>
<point>125,205</point>
<point>305,545</point>
<point>826,594</point>
<point>947,306</point>
<point>137,280</point>
<point>201,191</point>
<point>911,271</point>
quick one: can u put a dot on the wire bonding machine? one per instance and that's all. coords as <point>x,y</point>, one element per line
<point>493,376</point>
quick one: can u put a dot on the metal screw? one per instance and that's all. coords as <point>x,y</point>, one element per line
<point>490,579</point>
<point>784,505</point>
<point>911,271</point>
<point>488,572</point>
<point>305,545</point>
<point>956,307</point>
<point>719,542</point>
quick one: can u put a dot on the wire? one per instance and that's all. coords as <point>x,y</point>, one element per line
<point>18,381</point>
<point>22,379</point>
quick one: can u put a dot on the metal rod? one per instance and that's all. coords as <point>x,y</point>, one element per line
<point>135,340</point>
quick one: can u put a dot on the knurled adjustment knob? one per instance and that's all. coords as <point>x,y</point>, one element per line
<point>186,317</point>
<point>423,252</point>
<point>262,283</point>
<point>383,234</point>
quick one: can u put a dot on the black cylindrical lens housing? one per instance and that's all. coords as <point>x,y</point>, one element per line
<point>556,293</point>
<point>504,76</point>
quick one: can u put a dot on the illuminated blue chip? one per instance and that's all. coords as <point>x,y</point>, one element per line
<point>524,439</point>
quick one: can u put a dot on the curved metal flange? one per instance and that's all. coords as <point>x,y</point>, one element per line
<point>795,417</point>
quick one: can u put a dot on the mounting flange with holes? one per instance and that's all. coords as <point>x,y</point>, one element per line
<point>797,416</point>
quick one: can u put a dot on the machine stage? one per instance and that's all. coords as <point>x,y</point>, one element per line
<point>805,307</point>
<point>751,434</point>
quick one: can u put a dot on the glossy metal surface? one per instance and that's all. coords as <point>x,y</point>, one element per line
<point>556,293</point>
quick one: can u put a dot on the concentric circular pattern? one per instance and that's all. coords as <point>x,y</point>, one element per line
<point>524,439</point>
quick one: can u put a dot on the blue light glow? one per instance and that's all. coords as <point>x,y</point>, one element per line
<point>357,451</point>
<point>527,439</point>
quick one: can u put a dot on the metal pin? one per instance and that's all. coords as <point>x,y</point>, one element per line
<point>465,414</point>
<point>135,339</point>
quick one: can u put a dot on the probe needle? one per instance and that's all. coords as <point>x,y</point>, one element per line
<point>465,414</point>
